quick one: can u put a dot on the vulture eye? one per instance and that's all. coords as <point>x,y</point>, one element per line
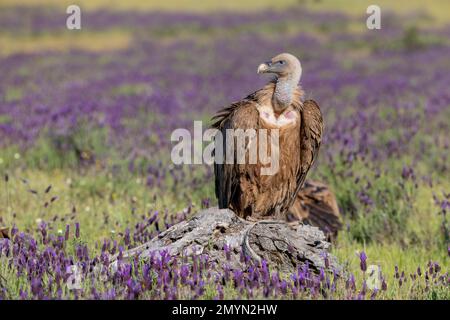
<point>281,62</point>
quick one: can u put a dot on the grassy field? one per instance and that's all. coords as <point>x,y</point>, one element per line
<point>89,113</point>
<point>438,9</point>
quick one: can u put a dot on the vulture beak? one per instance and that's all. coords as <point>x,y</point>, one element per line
<point>264,67</point>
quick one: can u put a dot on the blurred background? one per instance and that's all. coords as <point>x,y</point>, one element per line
<point>90,111</point>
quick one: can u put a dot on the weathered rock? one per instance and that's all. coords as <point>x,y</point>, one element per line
<point>284,246</point>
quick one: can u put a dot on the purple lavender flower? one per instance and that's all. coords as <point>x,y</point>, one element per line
<point>363,261</point>
<point>77,230</point>
<point>227,249</point>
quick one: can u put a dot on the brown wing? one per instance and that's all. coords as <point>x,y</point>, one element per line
<point>4,233</point>
<point>242,115</point>
<point>310,139</point>
<point>316,205</point>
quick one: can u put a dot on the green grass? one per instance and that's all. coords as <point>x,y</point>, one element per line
<point>402,229</point>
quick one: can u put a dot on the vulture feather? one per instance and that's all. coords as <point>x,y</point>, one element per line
<point>4,233</point>
<point>316,205</point>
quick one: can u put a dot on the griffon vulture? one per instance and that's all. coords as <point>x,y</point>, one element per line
<point>278,105</point>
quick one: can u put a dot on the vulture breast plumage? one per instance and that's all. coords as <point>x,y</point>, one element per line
<point>278,105</point>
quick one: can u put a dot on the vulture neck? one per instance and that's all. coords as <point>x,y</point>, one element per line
<point>284,92</point>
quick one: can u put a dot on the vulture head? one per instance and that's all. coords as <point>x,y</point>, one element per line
<point>288,70</point>
<point>284,66</point>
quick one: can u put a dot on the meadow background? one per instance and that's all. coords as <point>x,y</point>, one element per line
<point>86,118</point>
